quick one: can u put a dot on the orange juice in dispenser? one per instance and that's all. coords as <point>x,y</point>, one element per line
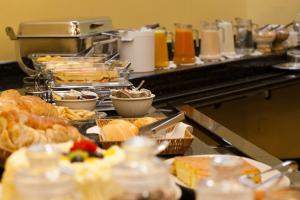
<point>161,50</point>
<point>184,50</point>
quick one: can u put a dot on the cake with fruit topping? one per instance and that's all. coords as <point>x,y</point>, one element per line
<point>91,166</point>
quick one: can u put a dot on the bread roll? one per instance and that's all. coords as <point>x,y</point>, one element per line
<point>119,130</point>
<point>144,121</point>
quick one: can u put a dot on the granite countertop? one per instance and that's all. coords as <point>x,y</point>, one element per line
<point>177,84</point>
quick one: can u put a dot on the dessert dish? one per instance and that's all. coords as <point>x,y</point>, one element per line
<point>191,169</point>
<point>128,93</point>
<point>91,166</point>
<point>264,40</point>
<point>74,95</point>
<point>132,103</point>
<point>84,100</point>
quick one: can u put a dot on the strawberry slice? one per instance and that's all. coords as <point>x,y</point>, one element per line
<point>84,145</point>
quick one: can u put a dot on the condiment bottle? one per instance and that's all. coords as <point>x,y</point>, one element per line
<point>44,179</point>
<point>224,183</point>
<point>184,49</point>
<point>161,49</point>
<point>142,175</point>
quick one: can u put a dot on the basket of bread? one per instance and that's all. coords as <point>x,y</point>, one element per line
<point>115,131</point>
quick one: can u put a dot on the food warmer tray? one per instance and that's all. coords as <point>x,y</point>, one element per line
<point>118,84</point>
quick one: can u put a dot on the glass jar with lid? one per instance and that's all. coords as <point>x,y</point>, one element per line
<point>45,179</point>
<point>224,183</point>
<point>142,175</point>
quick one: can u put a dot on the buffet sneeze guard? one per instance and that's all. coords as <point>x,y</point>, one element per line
<point>66,38</point>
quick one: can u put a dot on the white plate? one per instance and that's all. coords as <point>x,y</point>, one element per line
<point>259,165</point>
<point>288,66</point>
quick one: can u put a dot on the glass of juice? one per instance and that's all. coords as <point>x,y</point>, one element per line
<point>184,49</point>
<point>161,50</point>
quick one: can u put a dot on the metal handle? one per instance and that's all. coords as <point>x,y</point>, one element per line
<point>162,124</point>
<point>197,37</point>
<point>11,33</point>
<point>96,25</point>
<point>152,26</point>
<point>106,41</point>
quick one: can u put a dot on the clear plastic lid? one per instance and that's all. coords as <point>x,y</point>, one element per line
<point>76,74</point>
<point>224,182</point>
<point>41,61</point>
<point>141,170</point>
<point>44,179</point>
<point>142,175</point>
<point>57,65</point>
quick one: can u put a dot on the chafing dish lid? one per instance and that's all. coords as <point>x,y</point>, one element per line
<point>67,28</point>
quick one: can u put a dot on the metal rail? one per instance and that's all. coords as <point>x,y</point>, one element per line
<point>224,135</point>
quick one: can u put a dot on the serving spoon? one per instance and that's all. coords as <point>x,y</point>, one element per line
<point>284,169</point>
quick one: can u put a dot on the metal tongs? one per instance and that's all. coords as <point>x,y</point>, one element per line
<point>284,169</point>
<point>154,128</point>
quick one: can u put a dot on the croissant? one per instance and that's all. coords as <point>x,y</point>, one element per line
<point>32,104</point>
<point>20,129</point>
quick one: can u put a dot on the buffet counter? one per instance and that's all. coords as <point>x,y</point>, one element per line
<point>191,87</point>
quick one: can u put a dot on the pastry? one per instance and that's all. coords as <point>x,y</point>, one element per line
<point>118,130</point>
<point>20,129</point>
<point>85,75</point>
<point>144,121</point>
<point>13,99</point>
<point>92,167</point>
<point>191,169</point>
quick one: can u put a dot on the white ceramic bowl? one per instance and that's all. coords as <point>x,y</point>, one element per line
<point>134,107</point>
<point>86,104</point>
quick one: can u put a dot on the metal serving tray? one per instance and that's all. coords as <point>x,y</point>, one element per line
<point>69,37</point>
<point>67,60</point>
<point>120,83</point>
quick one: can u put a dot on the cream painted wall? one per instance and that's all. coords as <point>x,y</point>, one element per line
<point>272,11</point>
<point>134,13</point>
<point>129,13</point>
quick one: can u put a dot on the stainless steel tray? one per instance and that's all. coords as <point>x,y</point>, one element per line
<point>288,66</point>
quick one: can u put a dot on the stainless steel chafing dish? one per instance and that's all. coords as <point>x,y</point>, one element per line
<point>68,38</point>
